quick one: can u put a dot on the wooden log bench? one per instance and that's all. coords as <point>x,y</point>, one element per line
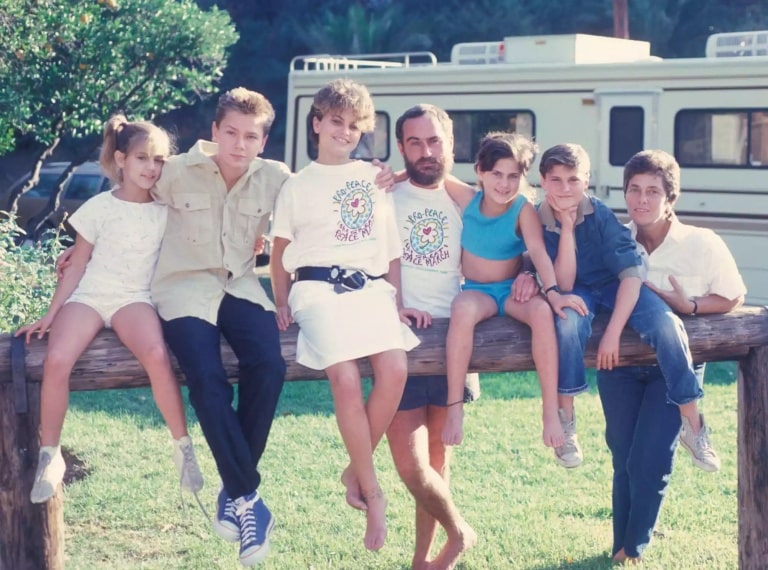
<point>31,536</point>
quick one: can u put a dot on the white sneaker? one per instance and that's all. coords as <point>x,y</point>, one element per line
<point>702,453</point>
<point>569,454</point>
<point>50,472</point>
<point>186,464</point>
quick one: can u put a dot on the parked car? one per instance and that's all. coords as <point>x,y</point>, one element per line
<point>86,181</point>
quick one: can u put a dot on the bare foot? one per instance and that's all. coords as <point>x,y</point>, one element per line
<point>376,526</point>
<point>454,547</point>
<point>553,434</point>
<point>354,494</point>
<point>421,564</point>
<point>621,558</point>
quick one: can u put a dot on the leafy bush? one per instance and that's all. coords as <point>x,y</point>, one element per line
<point>27,275</point>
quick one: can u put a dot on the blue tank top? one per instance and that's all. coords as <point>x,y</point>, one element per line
<point>492,238</point>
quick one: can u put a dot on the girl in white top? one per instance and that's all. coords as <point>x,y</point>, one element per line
<point>106,284</point>
<point>336,231</point>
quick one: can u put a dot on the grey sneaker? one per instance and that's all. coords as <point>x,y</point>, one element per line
<point>50,472</point>
<point>569,454</point>
<point>186,464</point>
<point>703,455</point>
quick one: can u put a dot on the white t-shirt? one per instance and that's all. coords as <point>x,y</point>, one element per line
<point>336,215</point>
<point>697,257</point>
<point>430,225</point>
<point>126,239</point>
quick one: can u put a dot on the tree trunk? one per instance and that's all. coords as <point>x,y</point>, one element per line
<point>44,155</point>
<point>31,536</point>
<point>37,224</point>
<point>753,460</point>
<point>500,345</point>
<point>620,19</point>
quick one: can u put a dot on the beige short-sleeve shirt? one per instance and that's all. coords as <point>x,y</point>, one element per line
<point>208,247</point>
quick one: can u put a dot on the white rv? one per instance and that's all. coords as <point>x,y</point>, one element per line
<point>606,94</point>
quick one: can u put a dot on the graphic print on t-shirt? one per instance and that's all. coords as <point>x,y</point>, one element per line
<point>426,244</point>
<point>355,206</point>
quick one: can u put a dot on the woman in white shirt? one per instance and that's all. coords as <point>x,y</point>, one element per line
<point>693,271</point>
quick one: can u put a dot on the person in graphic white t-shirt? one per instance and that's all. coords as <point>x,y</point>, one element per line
<point>335,231</point>
<point>430,233</point>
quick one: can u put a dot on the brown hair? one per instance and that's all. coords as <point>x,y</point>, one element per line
<point>246,102</point>
<point>496,146</point>
<point>569,155</point>
<point>341,95</point>
<point>123,135</point>
<point>659,163</point>
<point>419,111</point>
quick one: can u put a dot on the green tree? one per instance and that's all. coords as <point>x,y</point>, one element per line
<point>67,65</point>
<point>364,30</point>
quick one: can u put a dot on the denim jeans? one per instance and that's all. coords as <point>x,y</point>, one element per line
<point>657,325</point>
<point>641,430</point>
<point>237,438</point>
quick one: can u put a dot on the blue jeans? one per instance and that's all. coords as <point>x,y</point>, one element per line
<point>237,438</point>
<point>658,327</point>
<point>641,430</point>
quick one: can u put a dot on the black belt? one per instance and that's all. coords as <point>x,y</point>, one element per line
<point>344,279</point>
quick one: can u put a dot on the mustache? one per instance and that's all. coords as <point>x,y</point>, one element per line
<point>423,161</point>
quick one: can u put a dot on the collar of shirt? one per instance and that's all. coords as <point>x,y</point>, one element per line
<point>547,215</point>
<point>203,151</point>
<point>676,233</point>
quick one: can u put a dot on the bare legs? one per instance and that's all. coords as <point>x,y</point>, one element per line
<point>472,307</point>
<point>468,309</point>
<point>138,328</point>
<point>422,461</point>
<point>537,314</point>
<point>362,426</point>
<point>72,331</point>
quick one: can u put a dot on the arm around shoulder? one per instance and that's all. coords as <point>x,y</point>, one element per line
<point>459,191</point>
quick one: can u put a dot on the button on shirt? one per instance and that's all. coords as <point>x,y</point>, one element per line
<point>698,259</point>
<point>207,249</point>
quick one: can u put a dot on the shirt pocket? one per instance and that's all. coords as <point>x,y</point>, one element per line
<point>248,225</point>
<point>196,219</point>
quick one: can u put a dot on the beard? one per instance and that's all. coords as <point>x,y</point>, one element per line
<point>426,171</point>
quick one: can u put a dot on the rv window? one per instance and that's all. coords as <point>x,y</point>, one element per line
<point>471,126</point>
<point>727,137</point>
<point>372,145</point>
<point>626,128</point>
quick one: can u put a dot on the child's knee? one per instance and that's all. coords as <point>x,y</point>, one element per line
<point>573,326</point>
<point>58,360</point>
<point>156,354</point>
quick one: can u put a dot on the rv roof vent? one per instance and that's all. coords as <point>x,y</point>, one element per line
<point>738,44</point>
<point>470,53</point>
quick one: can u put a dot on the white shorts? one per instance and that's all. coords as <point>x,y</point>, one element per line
<point>338,327</point>
<point>107,304</point>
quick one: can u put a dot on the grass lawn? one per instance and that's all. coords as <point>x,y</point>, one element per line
<point>529,513</point>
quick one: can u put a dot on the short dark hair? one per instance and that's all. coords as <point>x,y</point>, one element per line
<point>569,154</point>
<point>659,163</point>
<point>419,111</point>
<point>498,145</point>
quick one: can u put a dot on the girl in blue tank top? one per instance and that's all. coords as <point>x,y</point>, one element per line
<point>500,223</point>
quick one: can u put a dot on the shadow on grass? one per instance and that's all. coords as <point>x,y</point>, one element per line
<point>313,397</point>
<point>590,563</point>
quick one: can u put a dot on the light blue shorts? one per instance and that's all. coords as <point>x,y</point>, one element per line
<point>498,291</point>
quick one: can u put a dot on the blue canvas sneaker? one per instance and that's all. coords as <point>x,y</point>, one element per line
<point>256,524</point>
<point>226,524</point>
